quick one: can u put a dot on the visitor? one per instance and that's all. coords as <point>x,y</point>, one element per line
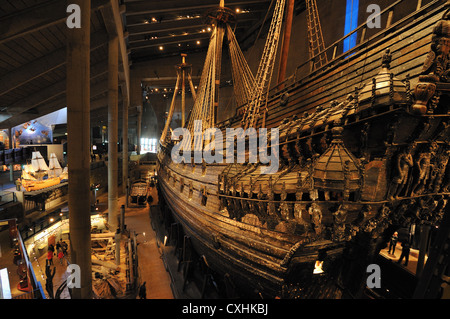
<point>49,257</point>
<point>60,256</point>
<point>143,291</point>
<point>393,243</point>
<point>405,253</point>
<point>58,245</point>
<point>64,247</point>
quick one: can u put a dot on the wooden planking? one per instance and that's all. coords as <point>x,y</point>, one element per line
<point>343,79</point>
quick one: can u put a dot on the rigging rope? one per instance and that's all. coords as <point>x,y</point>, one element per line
<point>265,69</point>
<point>249,89</point>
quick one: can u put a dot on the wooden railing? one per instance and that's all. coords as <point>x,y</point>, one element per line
<point>303,73</point>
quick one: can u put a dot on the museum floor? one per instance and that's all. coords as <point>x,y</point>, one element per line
<point>151,267</point>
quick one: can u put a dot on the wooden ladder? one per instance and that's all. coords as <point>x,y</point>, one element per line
<point>315,36</point>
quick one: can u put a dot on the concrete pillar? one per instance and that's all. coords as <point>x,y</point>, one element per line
<point>122,219</point>
<point>126,105</point>
<point>78,123</point>
<point>11,138</point>
<point>139,129</point>
<point>113,128</point>
<point>11,172</point>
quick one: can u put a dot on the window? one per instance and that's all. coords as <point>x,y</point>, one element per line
<point>351,23</point>
<point>148,145</point>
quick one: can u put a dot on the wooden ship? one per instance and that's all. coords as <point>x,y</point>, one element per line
<point>361,155</point>
<point>38,175</point>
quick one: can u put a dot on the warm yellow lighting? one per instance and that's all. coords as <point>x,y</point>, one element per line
<point>238,10</point>
<point>209,29</point>
<point>318,267</point>
<point>161,48</point>
<point>51,220</point>
<point>198,42</point>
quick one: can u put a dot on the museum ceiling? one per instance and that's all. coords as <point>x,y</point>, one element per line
<point>33,46</point>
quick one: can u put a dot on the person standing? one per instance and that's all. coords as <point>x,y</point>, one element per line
<point>60,256</point>
<point>143,291</point>
<point>393,243</point>
<point>405,253</point>
<point>49,257</point>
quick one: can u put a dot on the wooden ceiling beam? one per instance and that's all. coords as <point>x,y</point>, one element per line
<point>38,17</point>
<point>51,92</point>
<point>43,65</point>
<point>52,106</point>
<point>164,41</point>
<point>150,7</point>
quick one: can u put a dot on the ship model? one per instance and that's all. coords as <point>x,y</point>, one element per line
<point>38,175</point>
<point>355,164</point>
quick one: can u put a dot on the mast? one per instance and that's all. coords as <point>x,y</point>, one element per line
<point>286,41</point>
<point>54,167</point>
<point>219,18</point>
<point>183,72</point>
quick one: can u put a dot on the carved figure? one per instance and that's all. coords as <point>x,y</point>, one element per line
<point>339,218</point>
<point>422,170</point>
<point>437,62</point>
<point>402,166</point>
<point>441,166</point>
<point>285,208</point>
<point>316,218</point>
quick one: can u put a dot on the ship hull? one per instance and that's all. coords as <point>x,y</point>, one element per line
<point>37,185</point>
<point>250,255</point>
